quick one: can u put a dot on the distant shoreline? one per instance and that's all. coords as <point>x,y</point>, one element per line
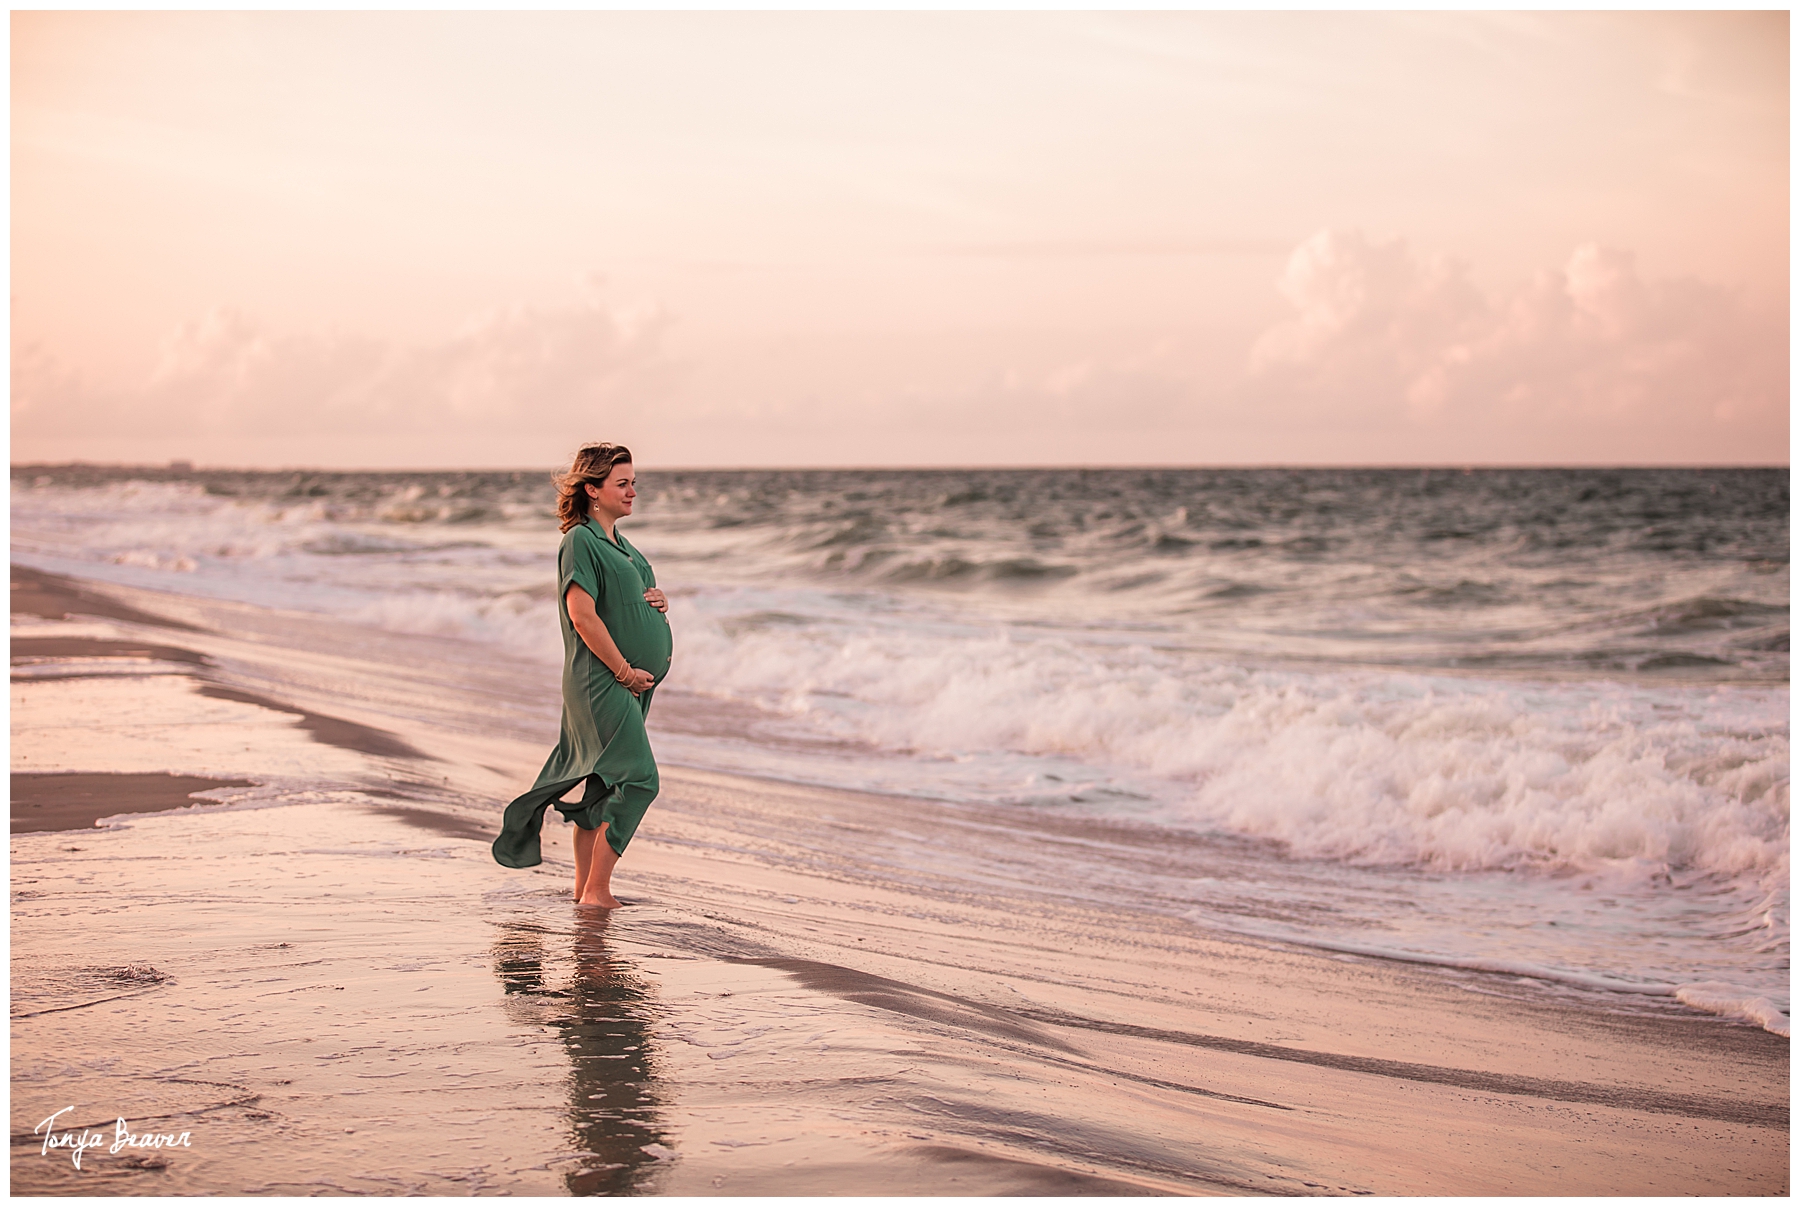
<point>182,468</point>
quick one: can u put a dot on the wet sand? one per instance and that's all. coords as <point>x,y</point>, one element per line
<point>71,800</point>
<point>59,597</point>
<point>85,657</point>
<point>318,972</point>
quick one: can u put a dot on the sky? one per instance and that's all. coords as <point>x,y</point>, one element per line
<point>480,239</point>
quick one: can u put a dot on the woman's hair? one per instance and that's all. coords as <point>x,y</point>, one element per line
<point>593,463</point>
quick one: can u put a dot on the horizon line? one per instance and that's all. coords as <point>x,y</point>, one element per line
<point>179,465</point>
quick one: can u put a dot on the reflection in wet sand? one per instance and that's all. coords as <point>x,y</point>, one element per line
<point>604,1010</point>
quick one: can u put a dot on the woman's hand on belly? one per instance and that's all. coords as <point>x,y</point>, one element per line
<point>656,599</point>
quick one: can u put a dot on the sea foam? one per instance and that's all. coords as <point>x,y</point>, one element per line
<point>1371,766</point>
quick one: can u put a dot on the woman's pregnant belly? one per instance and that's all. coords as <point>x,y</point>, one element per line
<point>642,634</point>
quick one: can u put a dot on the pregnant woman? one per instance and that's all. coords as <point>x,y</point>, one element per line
<point>616,650</point>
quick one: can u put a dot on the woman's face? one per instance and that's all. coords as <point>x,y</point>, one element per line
<point>613,498</point>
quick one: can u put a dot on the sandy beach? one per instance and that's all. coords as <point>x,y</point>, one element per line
<point>1153,603</point>
<point>253,905</point>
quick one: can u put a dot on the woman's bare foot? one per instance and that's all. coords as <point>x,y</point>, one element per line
<point>601,860</point>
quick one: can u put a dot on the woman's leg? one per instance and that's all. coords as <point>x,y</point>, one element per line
<point>584,857</point>
<point>584,839</point>
<point>601,861</point>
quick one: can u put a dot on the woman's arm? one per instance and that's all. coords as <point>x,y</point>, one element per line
<point>592,630</point>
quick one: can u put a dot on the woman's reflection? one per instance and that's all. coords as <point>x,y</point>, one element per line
<point>603,1010</point>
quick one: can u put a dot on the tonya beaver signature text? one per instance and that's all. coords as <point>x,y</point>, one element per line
<point>123,1138</point>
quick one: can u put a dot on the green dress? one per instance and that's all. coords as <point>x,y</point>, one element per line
<point>603,739</point>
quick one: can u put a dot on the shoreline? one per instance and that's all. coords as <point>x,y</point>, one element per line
<point>814,991</point>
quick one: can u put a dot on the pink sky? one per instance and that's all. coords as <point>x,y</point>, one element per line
<point>445,239</point>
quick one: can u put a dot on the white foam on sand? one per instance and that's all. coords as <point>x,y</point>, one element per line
<point>1734,1001</point>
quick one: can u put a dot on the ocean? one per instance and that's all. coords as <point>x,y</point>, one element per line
<point>1531,722</point>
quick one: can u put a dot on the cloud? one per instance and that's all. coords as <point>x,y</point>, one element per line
<point>225,381</point>
<point>1379,331</point>
<point>1386,355</point>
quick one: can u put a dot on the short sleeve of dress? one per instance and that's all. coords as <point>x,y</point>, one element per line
<point>579,565</point>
